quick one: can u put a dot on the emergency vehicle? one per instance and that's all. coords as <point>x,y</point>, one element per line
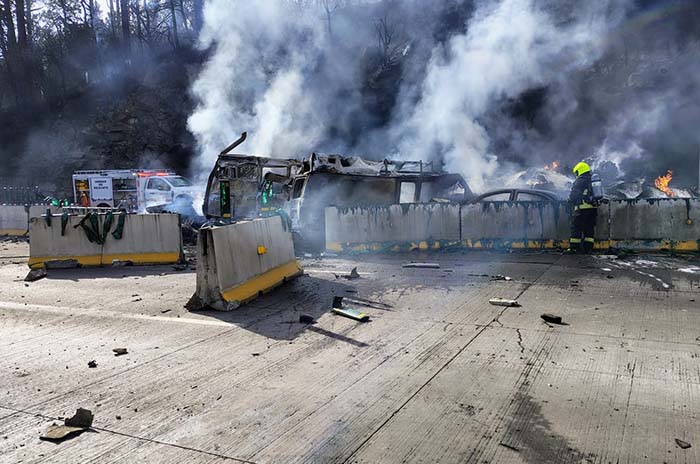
<point>130,189</point>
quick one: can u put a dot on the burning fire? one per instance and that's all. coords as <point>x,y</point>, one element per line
<point>552,167</point>
<point>662,182</point>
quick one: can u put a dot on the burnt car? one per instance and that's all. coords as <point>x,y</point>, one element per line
<point>515,194</point>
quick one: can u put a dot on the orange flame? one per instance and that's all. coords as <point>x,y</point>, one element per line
<point>662,182</point>
<point>553,167</point>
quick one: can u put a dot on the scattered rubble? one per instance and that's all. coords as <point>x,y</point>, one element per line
<point>35,274</point>
<point>73,426</point>
<point>120,351</point>
<point>504,302</point>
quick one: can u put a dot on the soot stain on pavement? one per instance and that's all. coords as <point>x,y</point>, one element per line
<point>531,434</point>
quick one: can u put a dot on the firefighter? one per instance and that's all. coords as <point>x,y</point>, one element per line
<point>585,211</point>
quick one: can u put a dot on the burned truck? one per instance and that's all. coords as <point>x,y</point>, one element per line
<point>243,186</point>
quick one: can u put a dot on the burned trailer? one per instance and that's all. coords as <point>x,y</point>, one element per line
<point>334,180</point>
<point>244,186</point>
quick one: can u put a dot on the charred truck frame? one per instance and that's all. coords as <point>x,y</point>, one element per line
<point>244,186</point>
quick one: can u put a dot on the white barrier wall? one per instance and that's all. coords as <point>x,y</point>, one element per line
<point>654,224</point>
<point>146,239</point>
<point>13,220</point>
<point>394,227</point>
<point>237,262</point>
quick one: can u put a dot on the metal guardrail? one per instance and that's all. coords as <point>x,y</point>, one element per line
<point>21,196</point>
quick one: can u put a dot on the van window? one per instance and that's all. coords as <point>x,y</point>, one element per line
<point>154,183</point>
<point>408,192</point>
<point>179,181</point>
<point>298,188</point>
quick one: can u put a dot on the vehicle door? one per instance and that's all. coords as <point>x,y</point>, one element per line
<point>294,204</point>
<point>158,192</point>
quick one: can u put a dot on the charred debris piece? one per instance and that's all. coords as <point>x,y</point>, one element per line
<point>552,319</point>
<point>351,313</point>
<point>504,302</point>
<point>353,275</point>
<point>35,274</point>
<point>120,351</point>
<point>73,426</point>
<point>421,266</point>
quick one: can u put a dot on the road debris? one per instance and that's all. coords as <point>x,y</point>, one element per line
<point>353,275</point>
<point>73,426</point>
<point>421,265</point>
<point>92,364</point>
<point>35,274</point>
<point>496,277</point>
<point>306,319</point>
<point>504,302</point>
<point>81,418</point>
<point>121,263</point>
<point>120,351</point>
<point>682,444</point>
<point>552,318</point>
<point>351,313</point>
<point>517,450</point>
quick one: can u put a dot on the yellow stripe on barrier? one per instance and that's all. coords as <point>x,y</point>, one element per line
<point>14,232</point>
<point>262,283</point>
<point>100,260</point>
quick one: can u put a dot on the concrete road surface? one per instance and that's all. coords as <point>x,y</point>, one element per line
<point>438,375</point>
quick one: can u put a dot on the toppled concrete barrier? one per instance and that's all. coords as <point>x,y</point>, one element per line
<point>13,220</point>
<point>139,238</point>
<point>238,262</point>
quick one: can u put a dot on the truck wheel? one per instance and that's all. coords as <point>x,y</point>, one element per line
<point>103,205</point>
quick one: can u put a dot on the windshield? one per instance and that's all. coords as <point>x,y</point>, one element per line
<point>178,181</point>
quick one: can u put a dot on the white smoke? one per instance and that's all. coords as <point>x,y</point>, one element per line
<point>510,46</point>
<point>276,72</point>
<point>254,79</point>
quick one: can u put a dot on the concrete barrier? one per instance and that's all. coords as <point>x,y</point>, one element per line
<point>652,225</point>
<point>13,220</point>
<point>392,228</point>
<point>238,262</point>
<point>146,239</point>
<point>667,224</point>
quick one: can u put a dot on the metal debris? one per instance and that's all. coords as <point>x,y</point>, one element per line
<point>351,313</point>
<point>353,275</point>
<point>120,351</point>
<point>504,302</point>
<point>92,364</point>
<point>421,265</point>
<point>35,274</point>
